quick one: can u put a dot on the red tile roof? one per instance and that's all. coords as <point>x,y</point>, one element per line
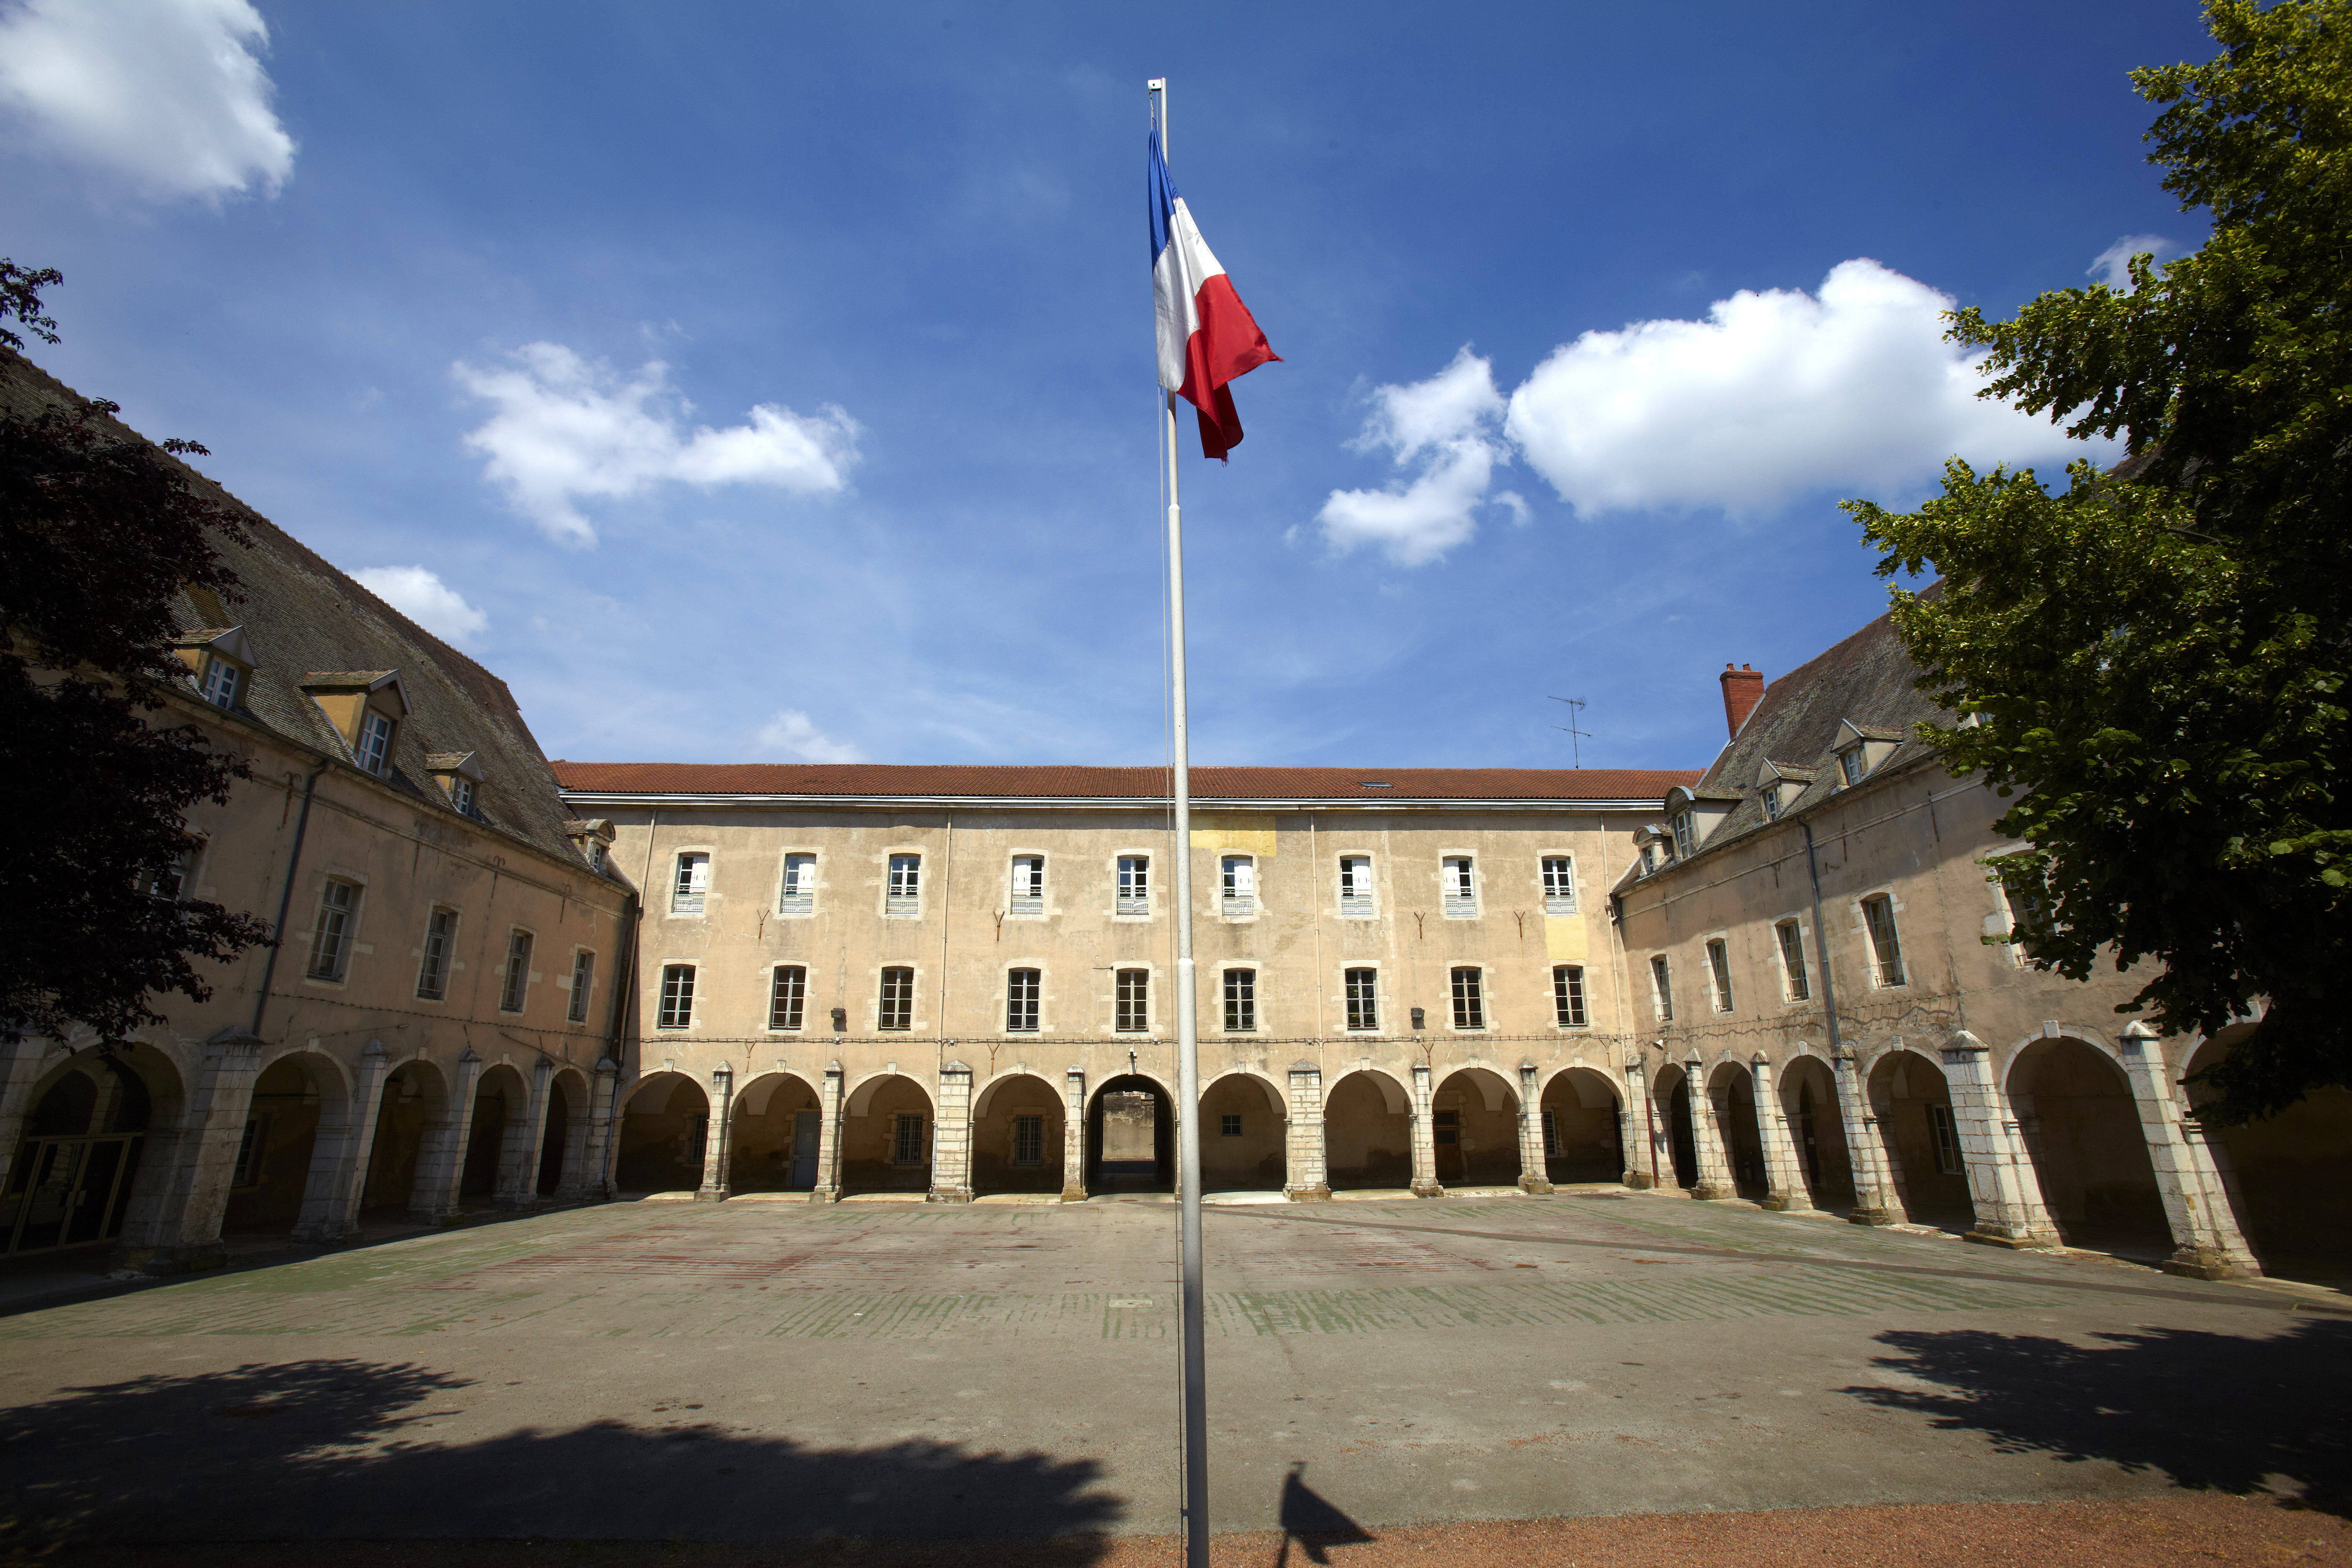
<point>961,781</point>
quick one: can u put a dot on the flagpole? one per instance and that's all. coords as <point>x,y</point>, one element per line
<point>1188,1043</point>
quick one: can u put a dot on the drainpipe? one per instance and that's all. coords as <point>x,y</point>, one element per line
<point>285,901</point>
<point>1821,943</point>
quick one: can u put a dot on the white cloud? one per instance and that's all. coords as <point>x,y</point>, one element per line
<point>566,427</point>
<point>795,734</point>
<point>168,93</point>
<point>419,593</point>
<point>1445,424</point>
<point>2110,266</point>
<point>1773,395</point>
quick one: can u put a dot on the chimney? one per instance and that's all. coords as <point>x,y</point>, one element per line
<point>1743,688</point>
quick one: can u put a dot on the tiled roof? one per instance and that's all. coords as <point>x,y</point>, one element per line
<point>1049,783</point>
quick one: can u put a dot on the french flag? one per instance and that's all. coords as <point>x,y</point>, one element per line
<point>1207,336</point>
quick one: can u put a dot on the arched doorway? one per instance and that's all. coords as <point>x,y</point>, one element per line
<point>555,1139</point>
<point>2082,1126</point>
<point>2289,1178</point>
<point>1581,1132</point>
<point>1367,1134</point>
<point>75,1168</point>
<point>1017,1143</point>
<point>1681,1145</point>
<point>293,1096</point>
<point>886,1137</point>
<point>1913,1105</point>
<point>1243,1135</point>
<point>1132,1137</point>
<point>778,1124</point>
<point>501,1105</point>
<point>1475,1123</point>
<point>1809,1098</point>
<point>1733,1088</point>
<point>414,1096</point>
<point>664,1130</point>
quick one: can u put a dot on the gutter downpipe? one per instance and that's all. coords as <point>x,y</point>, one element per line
<point>285,901</point>
<point>1822,944</point>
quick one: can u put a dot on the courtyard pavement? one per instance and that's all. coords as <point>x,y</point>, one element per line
<point>757,1370</point>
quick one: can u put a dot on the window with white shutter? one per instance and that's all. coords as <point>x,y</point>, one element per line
<point>1239,879</point>
<point>903,899</point>
<point>1027,897</point>
<point>798,895</point>
<point>691,885</point>
<point>1356,886</point>
<point>1134,885</point>
<point>1559,885</point>
<point>1461,887</point>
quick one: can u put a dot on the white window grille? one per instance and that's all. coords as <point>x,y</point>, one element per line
<point>517,984</point>
<point>903,898</point>
<point>1850,764</point>
<point>1718,969</point>
<point>897,999</point>
<point>331,942</point>
<point>1885,948</point>
<point>375,742</point>
<point>1356,886</point>
<point>1772,802</point>
<point>1662,985</point>
<point>584,981</point>
<point>787,996</point>
<point>1559,885</point>
<point>461,796</point>
<point>596,855</point>
<point>797,896</point>
<point>1021,987</point>
<point>1239,881</point>
<point>440,944</point>
<point>219,687</point>
<point>1028,894</point>
<point>1461,887</point>
<point>1240,1001</point>
<point>1469,1000</point>
<point>1685,836</point>
<point>691,885</point>
<point>677,996</point>
<point>906,1139</point>
<point>1029,1140</point>
<point>1131,1006</point>
<point>1792,961</point>
<point>1363,986</point>
<point>1568,995</point>
<point>1649,856</point>
<point>1134,885</point>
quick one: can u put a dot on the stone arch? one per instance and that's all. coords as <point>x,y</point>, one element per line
<point>501,1108</point>
<point>562,1146</point>
<point>1671,1087</point>
<point>415,1101</point>
<point>1912,1103</point>
<point>1252,1157</point>
<point>1475,1124</point>
<point>1017,1139</point>
<point>2289,1177</point>
<point>779,1120</point>
<point>76,1168</point>
<point>1119,1128</point>
<point>301,1105</point>
<point>1732,1086</point>
<point>1583,1126</point>
<point>2081,1123</point>
<point>665,1127</point>
<point>1809,1098</point>
<point>877,1156</point>
<point>1367,1132</point>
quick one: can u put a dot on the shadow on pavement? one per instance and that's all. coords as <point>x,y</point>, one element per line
<point>1313,1521</point>
<point>338,1450</point>
<point>2219,1412</point>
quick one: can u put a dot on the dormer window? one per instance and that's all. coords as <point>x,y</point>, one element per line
<point>219,661</point>
<point>365,706</point>
<point>1649,856</point>
<point>1850,765</point>
<point>461,796</point>
<point>374,751</point>
<point>1686,837</point>
<point>220,681</point>
<point>1772,802</point>
<point>593,839</point>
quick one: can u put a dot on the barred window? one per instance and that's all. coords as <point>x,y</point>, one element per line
<point>1793,960</point>
<point>440,943</point>
<point>517,983</point>
<point>897,998</point>
<point>1885,948</point>
<point>1240,1001</point>
<point>583,979</point>
<point>1132,1002</point>
<point>1469,1000</point>
<point>1029,1140</point>
<point>1559,885</point>
<point>787,996</point>
<point>1021,1002</point>
<point>677,996</point>
<point>1946,1139</point>
<point>1567,994</point>
<point>1551,1134</point>
<point>906,1139</point>
<point>1363,998</point>
<point>1228,1124</point>
<point>330,942</point>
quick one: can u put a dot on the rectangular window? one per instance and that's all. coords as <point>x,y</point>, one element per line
<point>1551,1134</point>
<point>1559,885</point>
<point>1772,803</point>
<point>904,896</point>
<point>596,855</point>
<point>1132,1003</point>
<point>1793,960</point>
<point>1446,1126</point>
<point>798,894</point>
<point>1029,1140</point>
<point>1649,856</point>
<point>787,996</point>
<point>1850,765</point>
<point>1885,948</point>
<point>906,1140</point>
<point>897,998</point>
<point>517,983</point>
<point>219,687</point>
<point>1363,999</point>
<point>1028,893</point>
<point>1021,1002</point>
<point>1661,985</point>
<point>691,884</point>
<point>375,742</point>
<point>1686,837</point>
<point>1228,1124</point>
<point>1134,885</point>
<point>249,1152</point>
<point>1240,1001</point>
<point>1461,887</point>
<point>440,945</point>
<point>1469,1000</point>
<point>1356,885</point>
<point>584,981</point>
<point>1238,879</point>
<point>331,943</point>
<point>1948,1139</point>
<point>677,996</point>
<point>1719,970</point>
<point>170,882</point>
<point>1567,994</point>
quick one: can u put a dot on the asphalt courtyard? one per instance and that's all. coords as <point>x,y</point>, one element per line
<point>766,1371</point>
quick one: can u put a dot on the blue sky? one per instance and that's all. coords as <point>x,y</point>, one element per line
<point>775,383</point>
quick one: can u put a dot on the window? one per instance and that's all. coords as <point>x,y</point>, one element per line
<point>797,895</point>
<point>1850,764</point>
<point>1228,1124</point>
<point>1363,999</point>
<point>1134,885</point>
<point>518,976</point>
<point>1947,1137</point>
<point>1355,885</point>
<point>1461,887</point>
<point>1021,1002</point>
<point>903,895</point>
<point>1029,1140</point>
<point>1649,856</point>
<point>1238,876</point>
<point>1885,949</point>
<point>1469,1001</point>
<point>1551,1134</point>
<point>1446,1126</point>
<point>1559,885</point>
<point>1240,1001</point>
<point>897,998</point>
<point>1568,995</point>
<point>1772,802</point>
<point>440,944</point>
<point>1686,835</point>
<point>461,796</point>
<point>692,882</point>
<point>1793,960</point>
<point>1028,894</point>
<point>906,1139</point>
<point>1719,970</point>
<point>331,943</point>
<point>787,996</point>
<point>170,882</point>
<point>596,855</point>
<point>584,981</point>
<point>1662,987</point>
<point>375,742</point>
<point>219,684</point>
<point>249,1152</point>
<point>1132,1008</point>
<point>677,996</point>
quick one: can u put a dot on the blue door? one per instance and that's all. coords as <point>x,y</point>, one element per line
<point>804,1139</point>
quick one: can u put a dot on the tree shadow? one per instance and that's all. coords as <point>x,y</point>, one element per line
<point>2210,1411</point>
<point>1313,1521</point>
<point>334,1451</point>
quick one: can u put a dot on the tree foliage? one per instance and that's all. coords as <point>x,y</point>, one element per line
<point>2157,657</point>
<point>97,531</point>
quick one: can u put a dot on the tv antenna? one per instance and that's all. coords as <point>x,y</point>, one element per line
<point>1575,712</point>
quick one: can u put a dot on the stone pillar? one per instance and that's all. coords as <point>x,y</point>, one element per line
<point>1784,1182</point>
<point>828,1138</point>
<point>441,1158</point>
<point>951,1137</point>
<point>594,1181</point>
<point>1637,1127</point>
<point>179,1229</point>
<point>2207,1244</point>
<point>1305,1180</point>
<point>1424,1140</point>
<point>1707,1134</point>
<point>1875,1201</point>
<point>338,1158</point>
<point>572,1182</point>
<point>1073,1136</point>
<point>721,1137</point>
<point>2002,1187</point>
<point>519,1144</point>
<point>20,1068</point>
<point>1535,1177</point>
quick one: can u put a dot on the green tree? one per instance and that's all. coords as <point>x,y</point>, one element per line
<point>2155,657</point>
<point>98,530</point>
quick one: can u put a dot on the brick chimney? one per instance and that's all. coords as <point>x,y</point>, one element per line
<point>1743,688</point>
